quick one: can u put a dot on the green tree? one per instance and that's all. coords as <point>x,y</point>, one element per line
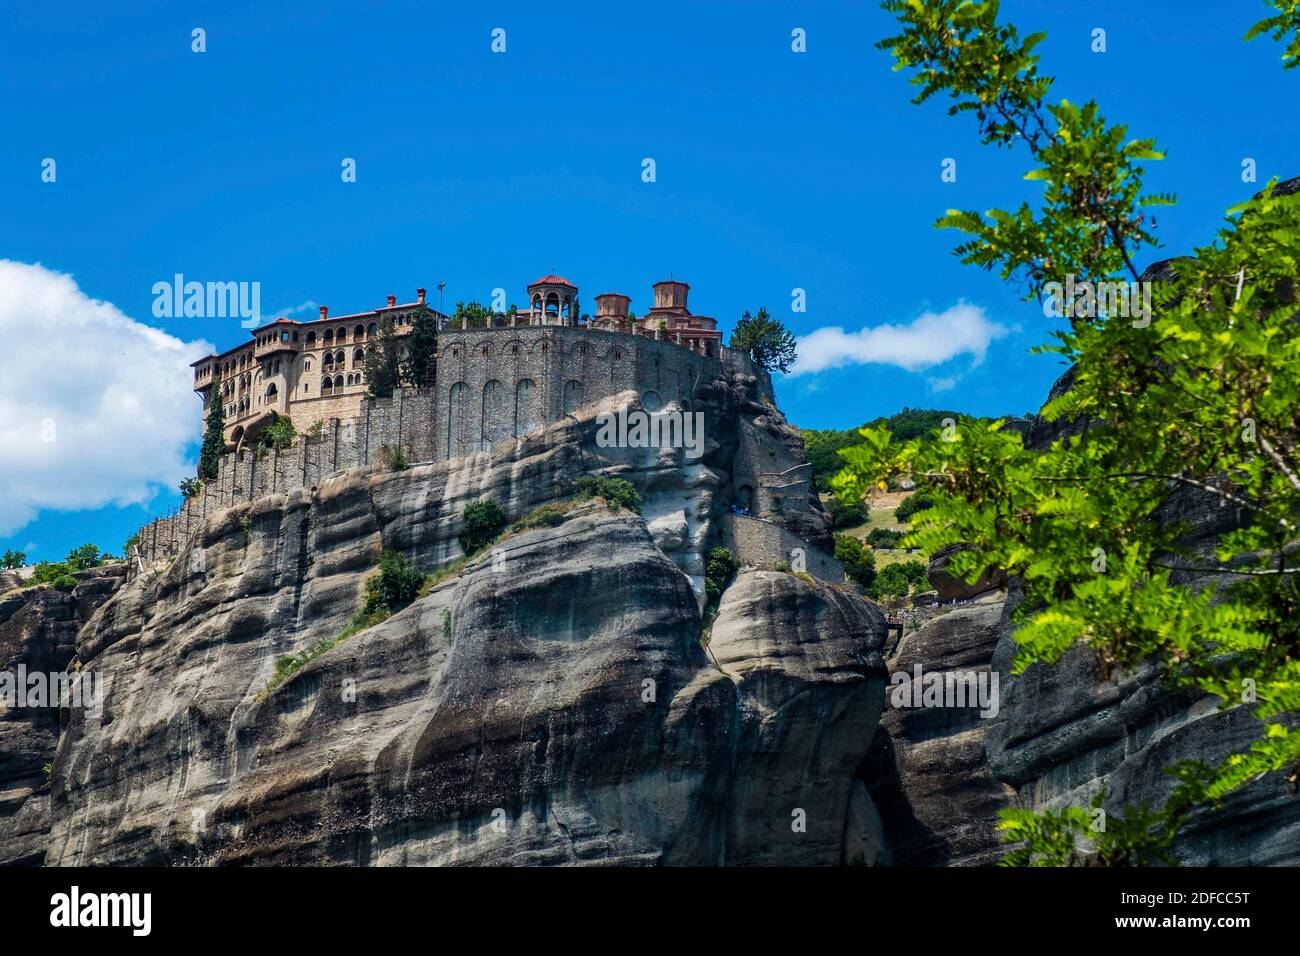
<point>913,504</point>
<point>884,538</point>
<point>422,351</point>
<point>618,492</point>
<point>384,360</point>
<point>278,433</point>
<point>471,315</point>
<point>859,562</point>
<point>57,573</point>
<point>1200,396</point>
<point>395,586</point>
<point>769,343</point>
<point>720,567</point>
<point>189,487</point>
<point>483,521</point>
<point>214,434</point>
<point>12,560</point>
<point>897,580</point>
<point>847,514</point>
<point>86,556</point>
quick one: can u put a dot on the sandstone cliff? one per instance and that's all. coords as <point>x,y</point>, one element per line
<point>552,705</point>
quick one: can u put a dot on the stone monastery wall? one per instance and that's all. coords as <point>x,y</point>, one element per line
<point>493,384</point>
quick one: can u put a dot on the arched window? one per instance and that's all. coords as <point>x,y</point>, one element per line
<point>358,333</point>
<point>572,395</point>
<point>311,339</point>
<point>340,358</point>
<point>326,385</point>
<point>370,330</point>
<point>328,338</point>
<point>270,393</point>
<point>456,421</point>
<point>496,424</point>
<point>358,357</point>
<point>338,381</point>
<point>328,360</point>
<point>528,417</point>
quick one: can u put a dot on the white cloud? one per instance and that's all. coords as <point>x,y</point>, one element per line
<point>95,408</point>
<point>308,306</point>
<point>945,384</point>
<point>930,340</point>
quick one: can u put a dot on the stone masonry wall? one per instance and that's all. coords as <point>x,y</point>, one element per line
<point>763,544</point>
<point>492,385</point>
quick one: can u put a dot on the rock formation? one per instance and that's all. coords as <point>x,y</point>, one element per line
<point>551,703</point>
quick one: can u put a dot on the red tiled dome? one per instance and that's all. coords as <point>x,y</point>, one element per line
<point>553,280</point>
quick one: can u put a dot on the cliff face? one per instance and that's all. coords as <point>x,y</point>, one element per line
<point>550,704</point>
<point>38,635</point>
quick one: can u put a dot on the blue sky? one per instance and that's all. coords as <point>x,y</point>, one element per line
<point>775,170</point>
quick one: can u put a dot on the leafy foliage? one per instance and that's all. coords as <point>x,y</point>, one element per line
<point>190,487</point>
<point>86,556</point>
<point>719,569</point>
<point>1285,21</point>
<point>859,562</point>
<point>419,367</point>
<point>483,521</point>
<point>471,315</point>
<point>913,504</point>
<point>1201,401</point>
<point>57,573</point>
<point>1077,837</point>
<point>847,514</point>
<point>617,492</point>
<point>821,446</point>
<point>395,586</point>
<point>1091,170</point>
<point>12,560</point>
<point>769,343</point>
<point>278,433</point>
<point>394,458</point>
<point>884,538</point>
<point>898,580</point>
<point>384,359</point>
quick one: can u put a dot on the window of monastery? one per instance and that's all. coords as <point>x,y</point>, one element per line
<point>311,338</point>
<point>358,333</point>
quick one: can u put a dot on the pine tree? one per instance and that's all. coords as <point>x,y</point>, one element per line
<point>769,343</point>
<point>214,438</point>
<point>422,348</point>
